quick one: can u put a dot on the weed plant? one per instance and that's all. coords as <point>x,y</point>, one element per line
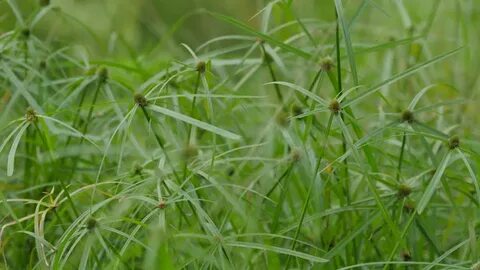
<point>347,139</point>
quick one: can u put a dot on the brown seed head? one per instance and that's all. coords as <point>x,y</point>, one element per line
<point>31,115</point>
<point>91,224</point>
<point>102,74</point>
<point>453,142</point>
<point>409,207</point>
<point>140,100</point>
<point>282,118</point>
<point>201,67</point>
<point>407,116</point>
<point>326,64</point>
<point>296,110</point>
<point>190,151</point>
<point>137,169</point>
<point>162,204</point>
<point>44,3</point>
<point>404,191</point>
<point>406,256</point>
<point>25,33</point>
<point>335,106</point>
<point>295,155</point>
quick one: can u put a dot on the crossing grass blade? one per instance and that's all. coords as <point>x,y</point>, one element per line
<point>432,185</point>
<point>280,250</point>
<point>195,122</point>
<point>263,36</point>
<point>400,76</point>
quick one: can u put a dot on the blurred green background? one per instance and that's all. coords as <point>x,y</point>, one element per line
<point>145,24</point>
<point>149,32</point>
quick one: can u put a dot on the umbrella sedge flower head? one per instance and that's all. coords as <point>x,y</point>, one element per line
<point>140,100</point>
<point>201,67</point>
<point>102,74</point>
<point>31,115</point>
<point>326,64</point>
<point>453,142</point>
<point>335,106</point>
<point>407,116</point>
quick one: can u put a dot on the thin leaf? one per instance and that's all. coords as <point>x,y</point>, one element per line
<point>252,31</point>
<point>280,250</point>
<point>427,195</point>
<point>301,90</point>
<point>195,122</point>
<point>13,150</point>
<point>348,42</point>
<point>400,76</point>
<point>471,172</point>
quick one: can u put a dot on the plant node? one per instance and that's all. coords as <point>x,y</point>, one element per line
<point>404,191</point>
<point>335,106</point>
<point>326,64</point>
<point>102,74</point>
<point>44,3</point>
<point>189,152</point>
<point>31,115</point>
<point>91,224</point>
<point>201,67</point>
<point>453,142</point>
<point>282,118</point>
<point>137,169</point>
<point>407,116</point>
<point>42,65</point>
<point>140,100</point>
<point>230,171</point>
<point>267,58</point>
<point>25,33</point>
<point>409,207</point>
<point>162,204</point>
<point>406,256</point>
<point>295,155</point>
<point>296,110</point>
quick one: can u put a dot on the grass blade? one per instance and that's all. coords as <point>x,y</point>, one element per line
<point>427,195</point>
<point>13,150</point>
<point>400,76</point>
<point>265,37</point>
<point>195,122</point>
<point>279,250</point>
<point>348,42</point>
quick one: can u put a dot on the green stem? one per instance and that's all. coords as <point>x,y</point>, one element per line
<point>312,181</point>
<point>272,74</point>
<point>400,159</point>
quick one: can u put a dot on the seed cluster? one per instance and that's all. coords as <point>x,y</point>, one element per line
<point>44,3</point>
<point>403,191</point>
<point>335,106</point>
<point>137,169</point>
<point>140,100</point>
<point>102,74</point>
<point>91,224</point>
<point>25,33</point>
<point>326,64</point>
<point>407,116</point>
<point>31,115</point>
<point>201,67</point>
<point>295,155</point>
<point>454,142</point>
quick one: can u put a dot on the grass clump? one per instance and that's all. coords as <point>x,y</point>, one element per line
<point>121,149</point>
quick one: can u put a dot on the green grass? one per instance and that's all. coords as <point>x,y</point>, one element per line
<point>268,135</point>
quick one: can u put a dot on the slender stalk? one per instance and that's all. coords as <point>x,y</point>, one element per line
<point>312,181</point>
<point>400,158</point>
<point>267,59</point>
